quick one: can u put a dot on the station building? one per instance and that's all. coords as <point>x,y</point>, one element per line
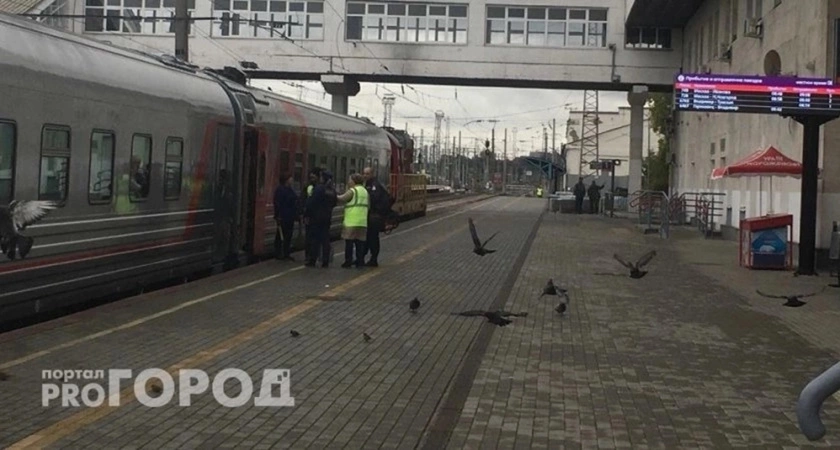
<point>756,37</point>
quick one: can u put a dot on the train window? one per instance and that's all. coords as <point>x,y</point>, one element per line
<point>8,138</point>
<point>140,171</point>
<point>299,179</point>
<point>334,166</point>
<point>375,167</point>
<point>173,167</point>
<point>312,160</point>
<point>342,172</point>
<point>284,161</point>
<point>55,163</point>
<point>352,168</point>
<point>100,177</point>
<point>323,164</point>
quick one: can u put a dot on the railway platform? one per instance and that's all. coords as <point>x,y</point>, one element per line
<point>685,357</point>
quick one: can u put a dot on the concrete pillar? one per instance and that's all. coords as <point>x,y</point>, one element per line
<point>637,99</point>
<point>341,88</point>
<point>340,103</point>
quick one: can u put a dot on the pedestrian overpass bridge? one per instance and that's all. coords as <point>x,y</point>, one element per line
<point>615,45</point>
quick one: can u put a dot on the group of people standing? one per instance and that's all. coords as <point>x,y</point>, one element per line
<point>581,191</point>
<point>366,207</point>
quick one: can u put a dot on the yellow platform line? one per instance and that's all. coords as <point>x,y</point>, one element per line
<point>142,320</point>
<point>74,423</point>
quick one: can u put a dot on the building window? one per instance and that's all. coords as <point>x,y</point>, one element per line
<point>133,16</point>
<point>8,141</point>
<point>407,23</point>
<point>546,27</point>
<point>55,163</point>
<point>269,19</point>
<point>712,148</point>
<point>649,38</point>
<point>141,162</point>
<point>722,146</point>
<point>173,167</point>
<point>100,178</point>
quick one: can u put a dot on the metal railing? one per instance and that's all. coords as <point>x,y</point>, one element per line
<point>707,208</point>
<point>654,210</point>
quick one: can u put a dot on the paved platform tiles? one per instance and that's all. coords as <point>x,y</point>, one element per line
<point>687,357</point>
<point>679,359</point>
<point>335,375</point>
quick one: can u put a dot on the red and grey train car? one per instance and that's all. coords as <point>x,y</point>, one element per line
<point>160,170</point>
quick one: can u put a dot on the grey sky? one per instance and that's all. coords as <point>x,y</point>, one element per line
<point>415,105</point>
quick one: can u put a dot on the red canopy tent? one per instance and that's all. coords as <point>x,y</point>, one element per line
<point>761,163</point>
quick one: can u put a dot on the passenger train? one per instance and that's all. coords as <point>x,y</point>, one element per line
<point>160,169</point>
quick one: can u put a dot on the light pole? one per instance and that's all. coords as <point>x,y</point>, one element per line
<point>490,149</point>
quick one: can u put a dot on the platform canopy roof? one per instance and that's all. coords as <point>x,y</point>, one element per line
<point>662,13</point>
<point>544,165</point>
<point>761,163</point>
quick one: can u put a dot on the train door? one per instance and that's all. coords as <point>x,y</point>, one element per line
<point>224,197</point>
<point>250,157</point>
<point>261,193</point>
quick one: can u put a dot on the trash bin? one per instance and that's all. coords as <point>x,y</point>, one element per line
<point>555,204</point>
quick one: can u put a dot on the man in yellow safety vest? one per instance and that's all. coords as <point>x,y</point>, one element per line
<point>354,233</point>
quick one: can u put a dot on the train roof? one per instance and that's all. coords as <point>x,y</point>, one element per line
<point>44,50</point>
<point>62,62</point>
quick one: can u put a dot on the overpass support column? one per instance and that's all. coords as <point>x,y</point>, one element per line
<point>637,99</point>
<point>341,89</point>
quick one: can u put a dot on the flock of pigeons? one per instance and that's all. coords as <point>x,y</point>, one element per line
<point>499,317</point>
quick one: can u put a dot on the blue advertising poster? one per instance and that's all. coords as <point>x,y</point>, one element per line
<point>773,241</point>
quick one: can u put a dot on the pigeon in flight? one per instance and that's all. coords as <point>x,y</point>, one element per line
<point>552,289</point>
<point>479,247</point>
<point>294,333</point>
<point>367,337</point>
<point>14,219</point>
<point>792,300</point>
<point>496,319</point>
<point>636,269</point>
<point>414,305</point>
<point>561,308</point>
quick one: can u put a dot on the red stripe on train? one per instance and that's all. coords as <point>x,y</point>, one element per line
<point>70,257</point>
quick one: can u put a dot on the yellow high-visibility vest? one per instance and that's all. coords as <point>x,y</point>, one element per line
<point>356,212</point>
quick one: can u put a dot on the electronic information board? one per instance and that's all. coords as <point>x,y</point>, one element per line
<point>755,94</point>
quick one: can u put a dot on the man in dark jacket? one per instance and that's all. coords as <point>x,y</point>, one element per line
<point>380,206</point>
<point>285,212</point>
<point>580,193</point>
<point>318,216</point>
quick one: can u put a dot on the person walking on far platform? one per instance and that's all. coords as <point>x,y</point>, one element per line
<point>354,232</point>
<point>594,197</point>
<point>580,193</point>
